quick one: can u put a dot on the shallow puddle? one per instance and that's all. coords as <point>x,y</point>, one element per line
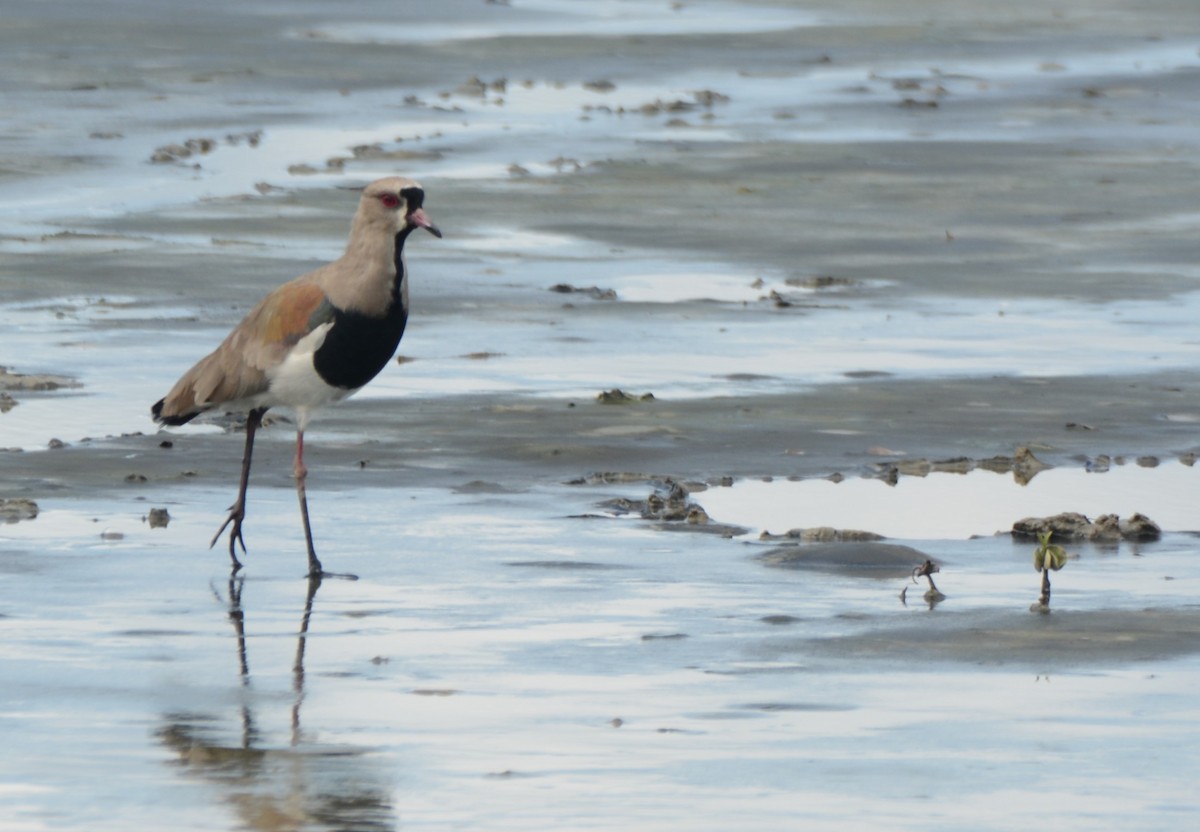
<point>475,675</point>
<point>957,506</point>
<point>555,18</point>
<point>725,337</point>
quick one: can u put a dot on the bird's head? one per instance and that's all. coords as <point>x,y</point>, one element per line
<point>396,203</point>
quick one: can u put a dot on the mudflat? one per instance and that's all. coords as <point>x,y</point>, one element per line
<point>687,246</point>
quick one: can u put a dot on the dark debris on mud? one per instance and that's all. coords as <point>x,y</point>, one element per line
<point>14,509</point>
<point>668,504</point>
<point>822,534</point>
<point>1023,465</point>
<point>593,292</point>
<point>619,396</point>
<point>33,382</point>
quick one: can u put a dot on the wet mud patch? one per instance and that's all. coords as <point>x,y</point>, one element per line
<point>564,565</point>
<point>858,559</point>
<point>484,487</point>
<point>780,620</point>
<point>1062,640</point>
<point>803,707</point>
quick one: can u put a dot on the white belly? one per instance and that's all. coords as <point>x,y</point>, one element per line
<point>295,382</point>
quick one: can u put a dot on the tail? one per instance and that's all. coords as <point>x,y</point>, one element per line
<point>181,419</point>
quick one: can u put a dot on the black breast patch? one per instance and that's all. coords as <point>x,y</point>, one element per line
<point>358,346</point>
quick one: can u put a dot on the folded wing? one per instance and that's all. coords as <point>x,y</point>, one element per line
<point>237,370</point>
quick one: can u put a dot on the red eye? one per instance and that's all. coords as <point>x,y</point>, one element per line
<point>389,200</point>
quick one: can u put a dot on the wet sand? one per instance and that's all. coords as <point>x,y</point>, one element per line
<point>830,240</point>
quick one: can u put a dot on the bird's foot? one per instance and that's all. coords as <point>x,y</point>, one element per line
<point>234,523</point>
<point>317,573</point>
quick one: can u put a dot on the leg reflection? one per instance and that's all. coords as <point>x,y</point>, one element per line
<point>314,583</point>
<point>238,618</point>
<point>279,784</point>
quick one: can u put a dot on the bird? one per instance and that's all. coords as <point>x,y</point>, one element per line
<point>311,342</point>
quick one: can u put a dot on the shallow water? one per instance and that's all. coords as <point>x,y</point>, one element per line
<point>512,656</point>
<point>958,506</point>
<point>505,665</point>
<point>554,18</point>
<point>726,339</point>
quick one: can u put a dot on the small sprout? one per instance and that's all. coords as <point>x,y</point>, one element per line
<point>926,570</point>
<point>1048,556</point>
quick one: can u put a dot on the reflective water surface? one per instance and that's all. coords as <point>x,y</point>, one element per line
<point>711,202</point>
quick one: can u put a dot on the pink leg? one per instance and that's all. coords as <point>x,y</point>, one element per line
<point>301,473</point>
<point>298,469</point>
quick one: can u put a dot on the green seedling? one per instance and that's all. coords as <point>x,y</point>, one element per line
<point>1048,556</point>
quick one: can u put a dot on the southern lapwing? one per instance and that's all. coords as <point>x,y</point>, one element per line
<point>312,341</point>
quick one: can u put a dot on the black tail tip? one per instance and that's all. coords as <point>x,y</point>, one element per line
<point>156,412</point>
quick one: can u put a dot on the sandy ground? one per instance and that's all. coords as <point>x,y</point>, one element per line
<point>952,229</point>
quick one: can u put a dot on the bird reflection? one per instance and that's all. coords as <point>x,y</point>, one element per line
<point>279,787</point>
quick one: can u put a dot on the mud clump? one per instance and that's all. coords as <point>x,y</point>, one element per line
<point>671,507</point>
<point>1072,526</point>
<point>670,502</point>
<point>1023,465</point>
<point>593,292</point>
<point>35,382</point>
<point>1026,466</point>
<point>822,281</point>
<point>618,396</point>
<point>201,146</point>
<point>476,87</point>
<point>17,508</point>
<point>171,153</point>
<point>823,534</point>
<point>612,477</point>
